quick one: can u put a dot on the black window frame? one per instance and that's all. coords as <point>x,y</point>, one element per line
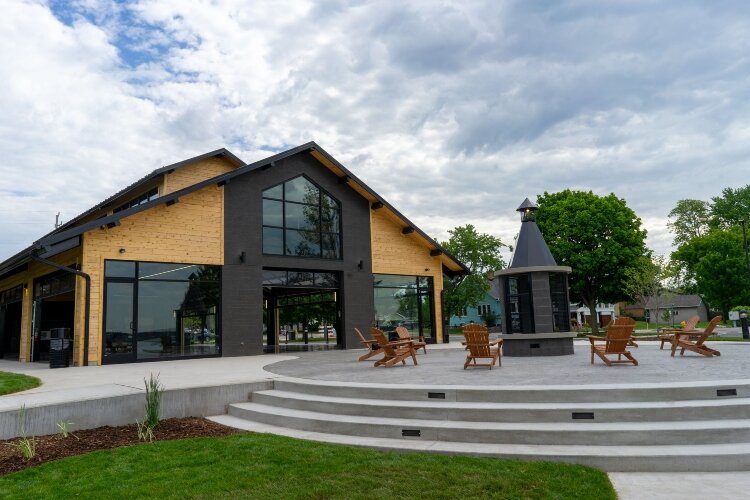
<point>319,232</point>
<point>134,281</point>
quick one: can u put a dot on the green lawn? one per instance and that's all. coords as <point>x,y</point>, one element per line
<point>14,382</point>
<point>267,466</point>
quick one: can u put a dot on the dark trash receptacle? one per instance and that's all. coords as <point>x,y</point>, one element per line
<point>59,353</point>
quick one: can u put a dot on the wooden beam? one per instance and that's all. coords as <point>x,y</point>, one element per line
<point>171,202</point>
<point>344,179</point>
<point>407,230</point>
<point>436,253</point>
<point>377,205</point>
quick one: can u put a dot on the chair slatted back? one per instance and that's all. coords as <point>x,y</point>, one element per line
<point>478,343</point>
<point>623,320</point>
<point>618,337</point>
<point>473,327</point>
<point>691,323</point>
<point>709,329</point>
<point>403,333</point>
<point>382,341</point>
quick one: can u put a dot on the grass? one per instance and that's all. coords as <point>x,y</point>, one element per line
<point>15,382</point>
<point>267,466</point>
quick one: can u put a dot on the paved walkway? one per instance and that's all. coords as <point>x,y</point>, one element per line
<point>443,365</point>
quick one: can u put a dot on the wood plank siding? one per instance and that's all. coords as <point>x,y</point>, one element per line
<point>396,253</point>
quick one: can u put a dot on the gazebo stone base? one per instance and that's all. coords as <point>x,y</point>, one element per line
<point>537,344</point>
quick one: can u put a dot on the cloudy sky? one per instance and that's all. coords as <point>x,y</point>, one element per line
<point>453,111</point>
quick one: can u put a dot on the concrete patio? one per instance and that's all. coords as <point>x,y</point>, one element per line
<point>208,386</point>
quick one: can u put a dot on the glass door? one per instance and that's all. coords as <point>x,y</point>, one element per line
<point>119,323</point>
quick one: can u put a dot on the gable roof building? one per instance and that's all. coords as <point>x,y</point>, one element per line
<point>213,257</point>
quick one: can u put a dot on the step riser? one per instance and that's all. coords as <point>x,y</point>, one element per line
<point>697,462</point>
<point>509,415</point>
<point>470,435</point>
<point>510,395</point>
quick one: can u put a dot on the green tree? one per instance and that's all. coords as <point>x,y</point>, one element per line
<point>644,279</point>
<point>731,207</point>
<point>715,264</point>
<point>599,237</point>
<point>481,254</point>
<point>689,219</point>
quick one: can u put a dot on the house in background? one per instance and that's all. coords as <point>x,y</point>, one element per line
<point>684,307</point>
<point>490,304</point>
<point>604,313</point>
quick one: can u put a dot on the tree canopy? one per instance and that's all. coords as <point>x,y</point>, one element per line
<point>731,207</point>
<point>481,254</point>
<point>715,264</point>
<point>709,259</point>
<point>599,237</point>
<point>689,219</point>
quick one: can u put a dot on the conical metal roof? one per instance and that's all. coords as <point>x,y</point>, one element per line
<point>531,249</point>
<point>526,204</point>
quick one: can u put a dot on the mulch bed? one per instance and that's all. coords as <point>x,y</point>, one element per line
<point>55,446</point>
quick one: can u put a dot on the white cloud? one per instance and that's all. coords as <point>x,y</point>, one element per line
<point>453,111</point>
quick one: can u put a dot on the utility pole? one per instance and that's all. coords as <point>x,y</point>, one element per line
<point>744,244</point>
<point>58,223</point>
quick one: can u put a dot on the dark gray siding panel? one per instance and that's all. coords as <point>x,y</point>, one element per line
<point>242,292</point>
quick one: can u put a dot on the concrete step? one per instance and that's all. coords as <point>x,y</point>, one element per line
<point>639,411</point>
<point>664,391</point>
<point>686,457</point>
<point>526,433</point>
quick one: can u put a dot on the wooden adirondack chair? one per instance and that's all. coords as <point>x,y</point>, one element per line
<point>419,343</point>
<point>393,352</point>
<point>479,346</point>
<point>682,340</point>
<point>624,320</point>
<point>472,327</point>
<point>373,349</point>
<point>667,334</point>
<point>616,342</point>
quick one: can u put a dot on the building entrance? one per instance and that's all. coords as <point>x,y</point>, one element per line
<point>10,322</point>
<point>53,313</point>
<point>301,311</point>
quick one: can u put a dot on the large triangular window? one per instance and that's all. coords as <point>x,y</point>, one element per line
<point>302,220</point>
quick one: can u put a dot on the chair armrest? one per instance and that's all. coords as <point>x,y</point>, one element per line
<point>496,342</point>
<point>593,338</point>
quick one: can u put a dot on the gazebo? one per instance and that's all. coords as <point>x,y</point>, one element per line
<point>534,290</point>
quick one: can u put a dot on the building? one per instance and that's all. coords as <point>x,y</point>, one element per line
<point>214,257</point>
<point>682,307</point>
<point>489,305</point>
<point>604,312</point>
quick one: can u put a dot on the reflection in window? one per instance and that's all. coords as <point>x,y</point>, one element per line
<point>300,219</point>
<point>176,311</point>
<point>404,301</point>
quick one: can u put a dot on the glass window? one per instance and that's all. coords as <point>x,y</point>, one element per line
<point>273,241</point>
<point>300,216</point>
<point>272,277</point>
<point>301,190</point>
<point>276,192</point>
<point>303,243</point>
<point>404,301</point>
<point>119,269</point>
<point>311,220</point>
<point>273,213</point>
<point>175,314</point>
<point>278,277</point>
<point>177,319</point>
<point>154,270</point>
